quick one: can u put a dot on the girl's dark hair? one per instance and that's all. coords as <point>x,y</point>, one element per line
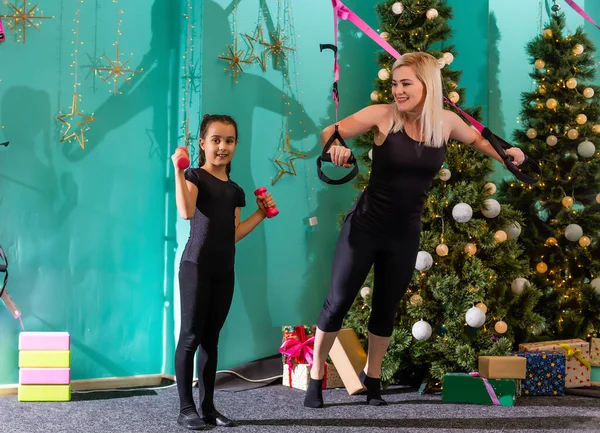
<point>207,120</point>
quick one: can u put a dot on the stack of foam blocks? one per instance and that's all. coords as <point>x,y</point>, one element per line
<point>44,366</point>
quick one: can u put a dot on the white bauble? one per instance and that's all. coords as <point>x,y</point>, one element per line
<point>445,174</point>
<point>370,154</point>
<point>475,317</point>
<point>441,62</point>
<point>491,187</point>
<point>573,232</point>
<point>397,8</point>
<point>586,149</point>
<point>421,330</point>
<point>448,57</point>
<point>431,14</point>
<point>424,261</point>
<point>588,92</point>
<point>518,285</point>
<point>374,96</point>
<point>513,231</point>
<point>365,291</point>
<point>491,208</point>
<point>596,285</point>
<point>551,140</point>
<point>383,74</point>
<point>462,212</point>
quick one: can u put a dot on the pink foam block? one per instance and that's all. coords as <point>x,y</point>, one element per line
<point>44,341</point>
<point>44,376</point>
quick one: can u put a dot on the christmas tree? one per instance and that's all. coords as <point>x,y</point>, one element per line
<point>469,252</point>
<point>560,127</point>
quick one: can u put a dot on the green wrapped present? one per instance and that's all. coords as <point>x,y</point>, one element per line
<point>595,376</point>
<point>470,388</point>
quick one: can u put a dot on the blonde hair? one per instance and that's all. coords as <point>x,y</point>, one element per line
<point>427,70</point>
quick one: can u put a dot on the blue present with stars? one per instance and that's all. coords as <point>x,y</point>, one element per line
<point>545,373</point>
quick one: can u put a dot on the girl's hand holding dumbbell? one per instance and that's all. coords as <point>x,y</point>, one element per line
<point>265,202</point>
<point>181,158</point>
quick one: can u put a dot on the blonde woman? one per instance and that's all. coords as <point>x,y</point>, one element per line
<point>383,227</point>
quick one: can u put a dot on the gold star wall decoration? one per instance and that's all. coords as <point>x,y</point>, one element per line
<point>116,68</point>
<point>71,118</point>
<point>24,17</point>
<point>276,48</point>
<point>235,60</point>
<point>286,162</point>
<point>256,37</point>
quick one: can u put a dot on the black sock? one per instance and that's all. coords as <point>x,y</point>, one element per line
<point>314,394</point>
<point>188,411</point>
<point>373,390</point>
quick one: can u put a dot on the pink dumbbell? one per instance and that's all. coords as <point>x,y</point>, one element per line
<point>183,162</point>
<point>260,193</point>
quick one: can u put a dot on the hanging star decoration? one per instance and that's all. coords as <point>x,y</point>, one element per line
<point>24,17</point>
<point>70,118</point>
<point>276,49</point>
<point>256,37</point>
<point>116,68</point>
<point>235,60</point>
<point>286,164</point>
<point>193,75</point>
<point>95,62</point>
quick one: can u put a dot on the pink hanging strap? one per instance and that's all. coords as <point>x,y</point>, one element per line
<point>581,12</point>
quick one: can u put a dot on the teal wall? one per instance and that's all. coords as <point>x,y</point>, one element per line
<point>84,230</point>
<point>93,235</point>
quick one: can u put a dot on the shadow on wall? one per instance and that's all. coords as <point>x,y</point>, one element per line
<point>355,51</point>
<point>220,95</point>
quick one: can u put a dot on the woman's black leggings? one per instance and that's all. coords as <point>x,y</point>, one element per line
<point>356,252</point>
<point>206,292</point>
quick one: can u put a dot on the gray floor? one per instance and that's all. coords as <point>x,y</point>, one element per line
<point>278,409</point>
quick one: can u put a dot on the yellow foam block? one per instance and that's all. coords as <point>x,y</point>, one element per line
<point>44,358</point>
<point>44,393</point>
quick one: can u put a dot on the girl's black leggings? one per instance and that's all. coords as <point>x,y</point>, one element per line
<point>206,293</point>
<point>356,252</point>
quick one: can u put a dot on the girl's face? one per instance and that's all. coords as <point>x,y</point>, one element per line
<point>219,144</point>
<point>408,91</point>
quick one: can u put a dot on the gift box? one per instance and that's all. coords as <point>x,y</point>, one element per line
<point>299,376</point>
<point>595,375</point>
<point>502,367</point>
<point>349,358</point>
<point>577,353</point>
<point>595,351</point>
<point>469,388</point>
<point>545,373</point>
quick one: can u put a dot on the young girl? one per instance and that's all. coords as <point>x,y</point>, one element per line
<point>384,226</point>
<point>212,201</point>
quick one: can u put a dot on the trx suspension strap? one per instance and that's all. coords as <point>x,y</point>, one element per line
<point>529,171</point>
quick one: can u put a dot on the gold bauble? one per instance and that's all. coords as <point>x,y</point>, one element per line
<point>581,119</point>
<point>441,250</point>
<point>551,140</point>
<point>541,267</point>
<point>573,134</point>
<point>500,236</point>
<point>567,201</point>
<point>551,103</point>
<point>482,307</point>
<point>470,249</point>
<point>539,64</point>
<point>584,241</point>
<point>501,327</point>
<point>551,241</point>
<point>547,33</point>
<point>588,92</point>
<point>454,97</point>
<point>416,300</point>
<point>596,129</point>
<point>531,133</point>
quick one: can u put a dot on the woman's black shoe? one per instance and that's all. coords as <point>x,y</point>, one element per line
<point>218,419</point>
<point>191,422</point>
